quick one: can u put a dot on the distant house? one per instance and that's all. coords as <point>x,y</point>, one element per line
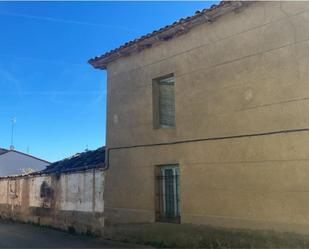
<point>67,194</point>
<point>14,162</point>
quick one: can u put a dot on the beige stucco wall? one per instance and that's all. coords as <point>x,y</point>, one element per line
<point>244,74</point>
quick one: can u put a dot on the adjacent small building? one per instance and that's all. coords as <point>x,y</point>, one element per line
<point>207,120</point>
<point>13,162</point>
<point>67,194</point>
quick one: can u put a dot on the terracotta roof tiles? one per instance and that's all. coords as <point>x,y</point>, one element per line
<point>177,28</point>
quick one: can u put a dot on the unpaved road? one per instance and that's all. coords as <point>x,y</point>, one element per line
<point>16,235</point>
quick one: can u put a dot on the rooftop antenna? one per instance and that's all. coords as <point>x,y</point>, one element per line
<point>12,133</point>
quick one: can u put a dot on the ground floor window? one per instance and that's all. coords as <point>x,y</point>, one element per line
<point>167,194</point>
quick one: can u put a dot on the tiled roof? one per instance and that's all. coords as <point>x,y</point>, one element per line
<point>80,161</point>
<point>3,151</point>
<point>166,33</point>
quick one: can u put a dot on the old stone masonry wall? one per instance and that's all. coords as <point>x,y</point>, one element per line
<point>71,201</point>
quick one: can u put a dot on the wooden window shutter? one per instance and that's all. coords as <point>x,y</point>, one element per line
<point>166,102</point>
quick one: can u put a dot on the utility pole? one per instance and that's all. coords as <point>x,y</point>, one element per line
<point>12,133</point>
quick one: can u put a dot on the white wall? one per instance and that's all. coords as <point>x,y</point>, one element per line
<point>76,200</point>
<point>35,199</point>
<point>82,192</point>
<point>12,163</point>
<point>3,192</point>
<point>75,191</point>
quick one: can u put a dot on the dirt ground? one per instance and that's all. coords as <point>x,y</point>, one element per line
<point>16,235</point>
<point>162,235</point>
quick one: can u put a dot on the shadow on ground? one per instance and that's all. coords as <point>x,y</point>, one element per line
<point>19,235</point>
<point>194,236</point>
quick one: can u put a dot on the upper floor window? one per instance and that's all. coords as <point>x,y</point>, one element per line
<point>164,102</point>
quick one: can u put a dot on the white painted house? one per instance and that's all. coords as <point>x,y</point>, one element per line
<point>14,162</point>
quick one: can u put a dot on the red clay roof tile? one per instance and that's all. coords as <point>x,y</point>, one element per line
<point>213,12</point>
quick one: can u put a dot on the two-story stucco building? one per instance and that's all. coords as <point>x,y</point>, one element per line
<point>208,120</point>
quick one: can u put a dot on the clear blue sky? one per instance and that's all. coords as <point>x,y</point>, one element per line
<point>57,98</point>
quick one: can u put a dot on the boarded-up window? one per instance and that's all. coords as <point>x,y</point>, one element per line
<point>164,102</point>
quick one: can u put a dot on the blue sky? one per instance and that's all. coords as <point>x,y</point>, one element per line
<point>58,99</point>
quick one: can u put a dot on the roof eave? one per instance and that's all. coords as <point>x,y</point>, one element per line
<point>178,28</point>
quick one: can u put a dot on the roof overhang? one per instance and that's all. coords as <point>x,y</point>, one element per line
<point>180,27</point>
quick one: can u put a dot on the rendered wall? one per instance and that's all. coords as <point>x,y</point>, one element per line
<point>244,74</point>
<point>74,202</point>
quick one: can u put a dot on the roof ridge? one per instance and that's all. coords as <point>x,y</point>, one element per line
<point>3,151</point>
<point>19,152</point>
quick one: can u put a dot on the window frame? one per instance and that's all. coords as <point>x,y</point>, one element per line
<point>160,194</point>
<point>156,102</point>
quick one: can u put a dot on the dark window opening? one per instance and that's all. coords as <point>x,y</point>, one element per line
<point>167,194</point>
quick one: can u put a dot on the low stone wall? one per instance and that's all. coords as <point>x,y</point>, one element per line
<point>70,201</point>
